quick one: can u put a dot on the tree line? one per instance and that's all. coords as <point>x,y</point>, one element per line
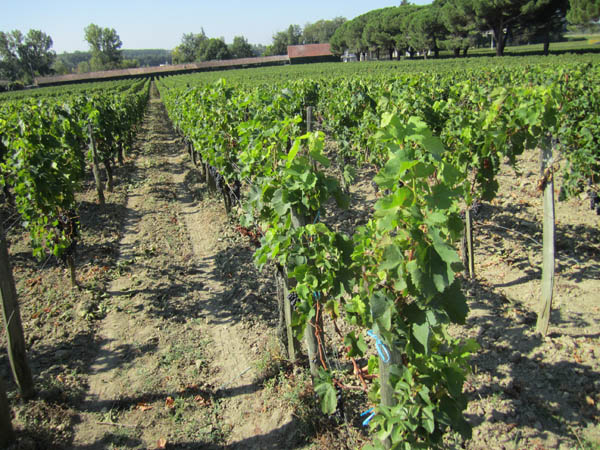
<point>199,47</point>
<point>23,57</point>
<point>79,61</point>
<point>453,25</point>
<point>457,25</point>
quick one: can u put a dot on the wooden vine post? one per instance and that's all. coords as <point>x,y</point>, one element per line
<point>469,238</point>
<point>286,334</point>
<point>309,128</point>
<point>12,322</point>
<point>7,435</point>
<point>95,168</point>
<point>547,184</point>
<point>313,333</point>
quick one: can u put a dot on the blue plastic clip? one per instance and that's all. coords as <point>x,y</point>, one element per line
<point>368,419</point>
<point>381,348</point>
<point>317,217</point>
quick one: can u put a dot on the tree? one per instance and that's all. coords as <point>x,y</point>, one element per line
<point>281,40</point>
<point>25,56</point>
<point>338,40</point>
<point>129,64</point>
<point>460,27</point>
<point>407,12</point>
<point>496,15</point>
<point>321,31</point>
<point>240,48</point>
<point>60,68</point>
<point>215,49</point>
<point>426,29</point>
<point>583,11</point>
<point>354,34</point>
<point>83,67</point>
<point>376,34</point>
<point>294,35</point>
<point>258,49</point>
<point>545,18</point>
<point>105,46</point>
<point>190,48</point>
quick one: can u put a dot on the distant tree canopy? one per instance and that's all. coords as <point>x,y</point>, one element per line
<point>23,57</point>
<point>319,32</point>
<point>199,47</point>
<point>105,46</point>
<point>456,25</point>
<point>583,11</point>
<point>79,62</point>
<point>240,48</point>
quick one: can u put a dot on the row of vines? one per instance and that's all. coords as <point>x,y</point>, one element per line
<point>437,141</point>
<point>47,144</point>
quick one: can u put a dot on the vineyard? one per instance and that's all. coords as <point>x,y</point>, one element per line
<point>370,255</point>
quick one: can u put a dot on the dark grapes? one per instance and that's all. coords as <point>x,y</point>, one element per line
<point>294,299</point>
<point>231,191</point>
<point>339,412</point>
<point>594,199</point>
<point>68,223</point>
<point>475,208</point>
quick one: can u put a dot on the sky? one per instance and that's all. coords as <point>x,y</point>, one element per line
<point>161,24</point>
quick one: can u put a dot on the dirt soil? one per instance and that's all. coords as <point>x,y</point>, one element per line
<point>171,343</point>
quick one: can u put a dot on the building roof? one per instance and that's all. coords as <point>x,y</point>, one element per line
<point>309,50</point>
<point>159,70</point>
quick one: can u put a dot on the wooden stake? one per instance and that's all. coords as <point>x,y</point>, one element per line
<point>292,344</point>
<point>548,241</point>
<point>7,435</point>
<point>12,321</point>
<point>71,264</point>
<point>469,231</point>
<point>386,389</point>
<point>95,168</point>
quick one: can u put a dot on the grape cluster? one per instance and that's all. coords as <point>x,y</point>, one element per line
<point>68,224</point>
<point>386,191</point>
<point>294,299</point>
<point>231,191</point>
<point>594,201</point>
<point>338,414</point>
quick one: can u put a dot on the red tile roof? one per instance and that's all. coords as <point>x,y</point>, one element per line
<point>309,50</point>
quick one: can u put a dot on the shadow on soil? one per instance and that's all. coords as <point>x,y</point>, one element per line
<point>544,396</point>
<point>267,441</point>
<point>573,247</point>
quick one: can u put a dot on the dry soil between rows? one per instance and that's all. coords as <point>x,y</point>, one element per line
<point>177,295</point>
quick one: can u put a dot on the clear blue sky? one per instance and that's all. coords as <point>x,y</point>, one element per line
<point>160,24</point>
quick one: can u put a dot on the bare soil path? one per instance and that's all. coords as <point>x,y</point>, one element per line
<point>179,349</point>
